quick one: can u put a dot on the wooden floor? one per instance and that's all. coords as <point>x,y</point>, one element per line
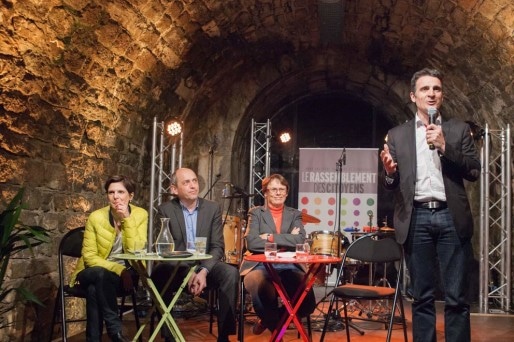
<point>195,328</point>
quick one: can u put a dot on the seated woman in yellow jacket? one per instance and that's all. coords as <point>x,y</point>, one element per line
<point>109,230</point>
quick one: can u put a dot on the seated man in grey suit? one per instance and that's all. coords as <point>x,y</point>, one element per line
<point>190,217</point>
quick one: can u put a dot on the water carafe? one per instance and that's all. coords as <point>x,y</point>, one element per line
<point>164,245</point>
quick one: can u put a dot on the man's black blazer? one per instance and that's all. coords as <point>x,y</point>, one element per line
<point>208,225</point>
<point>459,161</point>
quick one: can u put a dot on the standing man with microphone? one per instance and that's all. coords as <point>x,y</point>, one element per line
<point>432,216</point>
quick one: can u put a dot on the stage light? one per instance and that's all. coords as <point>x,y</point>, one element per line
<point>285,137</point>
<point>174,128</point>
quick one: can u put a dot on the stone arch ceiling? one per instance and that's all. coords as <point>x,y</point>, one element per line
<point>104,69</point>
<point>82,80</point>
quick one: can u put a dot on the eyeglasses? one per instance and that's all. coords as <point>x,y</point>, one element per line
<point>278,190</point>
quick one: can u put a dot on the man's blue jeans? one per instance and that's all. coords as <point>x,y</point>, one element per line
<point>433,244</point>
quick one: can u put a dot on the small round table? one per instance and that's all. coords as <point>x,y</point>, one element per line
<point>138,262</point>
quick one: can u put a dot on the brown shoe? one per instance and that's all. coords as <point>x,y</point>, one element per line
<point>258,328</point>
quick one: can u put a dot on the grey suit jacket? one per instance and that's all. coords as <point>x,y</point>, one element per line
<point>208,225</point>
<point>460,161</point>
<point>260,222</point>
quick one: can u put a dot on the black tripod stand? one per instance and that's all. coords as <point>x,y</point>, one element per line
<point>335,315</point>
<point>335,322</point>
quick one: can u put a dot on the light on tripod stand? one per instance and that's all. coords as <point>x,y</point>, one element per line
<point>285,137</point>
<point>174,128</point>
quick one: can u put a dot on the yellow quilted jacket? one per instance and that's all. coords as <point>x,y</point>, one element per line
<point>99,238</point>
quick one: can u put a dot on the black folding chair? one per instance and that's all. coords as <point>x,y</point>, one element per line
<point>71,247</point>
<point>375,250</point>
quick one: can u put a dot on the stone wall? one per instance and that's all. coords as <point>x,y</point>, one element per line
<point>62,163</point>
<point>81,81</point>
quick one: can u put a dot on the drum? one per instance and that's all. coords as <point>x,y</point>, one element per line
<point>325,242</point>
<point>232,238</point>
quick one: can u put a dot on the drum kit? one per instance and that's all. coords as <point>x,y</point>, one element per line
<point>322,242</point>
<point>333,243</point>
<point>234,227</point>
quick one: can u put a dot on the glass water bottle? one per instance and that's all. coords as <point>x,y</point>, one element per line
<point>165,245</point>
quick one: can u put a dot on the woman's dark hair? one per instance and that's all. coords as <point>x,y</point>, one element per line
<point>128,183</point>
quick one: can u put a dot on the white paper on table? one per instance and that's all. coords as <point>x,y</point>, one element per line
<point>286,254</point>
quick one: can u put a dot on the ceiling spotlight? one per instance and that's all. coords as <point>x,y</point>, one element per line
<point>174,128</point>
<point>285,137</point>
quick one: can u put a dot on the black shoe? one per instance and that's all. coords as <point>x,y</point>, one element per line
<point>118,337</point>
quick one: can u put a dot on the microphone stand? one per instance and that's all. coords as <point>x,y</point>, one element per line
<point>339,169</point>
<point>211,167</point>
<point>337,324</point>
<point>212,185</point>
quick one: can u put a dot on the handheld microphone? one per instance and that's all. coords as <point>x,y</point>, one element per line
<point>432,112</point>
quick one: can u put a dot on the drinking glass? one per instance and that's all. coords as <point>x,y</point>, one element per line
<point>301,253</point>
<point>270,250</point>
<point>308,243</point>
<point>200,245</point>
<point>140,248</point>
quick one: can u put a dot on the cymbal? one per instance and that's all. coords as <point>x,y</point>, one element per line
<point>306,218</point>
<point>386,229</point>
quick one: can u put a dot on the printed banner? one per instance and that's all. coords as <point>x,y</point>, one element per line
<point>318,188</point>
